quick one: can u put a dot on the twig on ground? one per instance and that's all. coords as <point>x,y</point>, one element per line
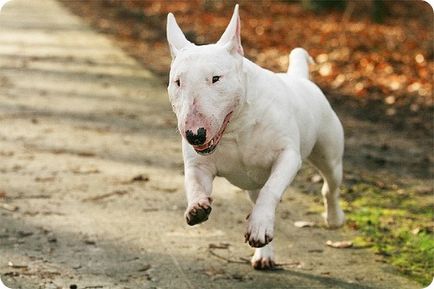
<point>227,259</point>
<point>104,196</point>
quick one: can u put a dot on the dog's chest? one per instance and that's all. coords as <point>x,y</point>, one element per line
<point>245,165</point>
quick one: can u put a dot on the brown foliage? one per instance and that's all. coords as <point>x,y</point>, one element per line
<point>389,64</point>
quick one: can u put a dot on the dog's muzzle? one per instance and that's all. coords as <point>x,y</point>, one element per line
<point>209,147</point>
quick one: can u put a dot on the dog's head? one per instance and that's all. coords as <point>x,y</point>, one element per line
<point>205,85</point>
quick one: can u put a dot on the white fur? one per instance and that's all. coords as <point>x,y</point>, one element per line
<point>278,121</point>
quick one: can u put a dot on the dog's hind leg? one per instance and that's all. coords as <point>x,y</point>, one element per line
<point>263,259</point>
<point>327,158</point>
<point>333,215</point>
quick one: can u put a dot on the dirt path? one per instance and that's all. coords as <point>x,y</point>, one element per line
<point>91,179</point>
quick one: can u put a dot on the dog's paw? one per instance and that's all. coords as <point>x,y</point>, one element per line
<point>334,220</point>
<point>259,229</point>
<point>264,263</point>
<point>257,240</point>
<point>198,211</point>
<point>263,259</point>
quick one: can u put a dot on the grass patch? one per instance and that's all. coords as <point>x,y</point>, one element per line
<point>397,223</point>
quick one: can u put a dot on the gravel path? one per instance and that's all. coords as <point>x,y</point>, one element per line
<point>91,183</point>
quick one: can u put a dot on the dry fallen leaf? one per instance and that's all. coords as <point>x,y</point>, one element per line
<point>85,170</point>
<point>144,268</point>
<point>8,207</point>
<point>137,178</point>
<point>304,224</point>
<point>86,154</point>
<point>140,178</point>
<point>416,231</point>
<point>12,265</point>
<point>339,244</point>
<point>316,179</point>
<point>45,179</point>
<point>219,246</point>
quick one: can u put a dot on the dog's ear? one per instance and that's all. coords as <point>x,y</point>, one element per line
<point>175,37</point>
<point>231,38</point>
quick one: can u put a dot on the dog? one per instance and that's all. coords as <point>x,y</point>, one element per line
<point>252,127</point>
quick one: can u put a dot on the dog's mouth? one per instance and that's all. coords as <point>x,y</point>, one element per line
<point>210,146</point>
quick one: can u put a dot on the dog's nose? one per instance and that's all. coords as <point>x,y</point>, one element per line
<point>196,139</point>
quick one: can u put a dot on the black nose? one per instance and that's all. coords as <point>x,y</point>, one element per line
<point>196,139</point>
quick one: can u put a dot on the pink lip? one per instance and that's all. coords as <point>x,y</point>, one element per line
<point>216,139</point>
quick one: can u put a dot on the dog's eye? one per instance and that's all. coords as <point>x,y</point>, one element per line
<point>215,78</point>
<point>178,82</point>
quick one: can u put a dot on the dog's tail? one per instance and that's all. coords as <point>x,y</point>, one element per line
<point>299,61</point>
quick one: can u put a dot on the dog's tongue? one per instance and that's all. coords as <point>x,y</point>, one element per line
<point>202,147</point>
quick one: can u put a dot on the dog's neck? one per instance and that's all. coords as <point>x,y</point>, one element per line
<point>248,77</point>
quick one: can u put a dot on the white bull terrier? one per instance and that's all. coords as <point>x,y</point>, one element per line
<point>251,126</point>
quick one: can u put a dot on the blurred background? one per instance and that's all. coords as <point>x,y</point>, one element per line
<point>92,176</point>
<point>376,53</point>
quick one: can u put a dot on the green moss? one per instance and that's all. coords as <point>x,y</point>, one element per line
<point>394,220</point>
<point>396,223</point>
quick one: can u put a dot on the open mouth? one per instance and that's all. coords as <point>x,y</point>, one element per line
<point>210,146</point>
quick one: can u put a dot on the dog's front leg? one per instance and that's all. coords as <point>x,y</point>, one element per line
<point>261,220</point>
<point>198,186</point>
